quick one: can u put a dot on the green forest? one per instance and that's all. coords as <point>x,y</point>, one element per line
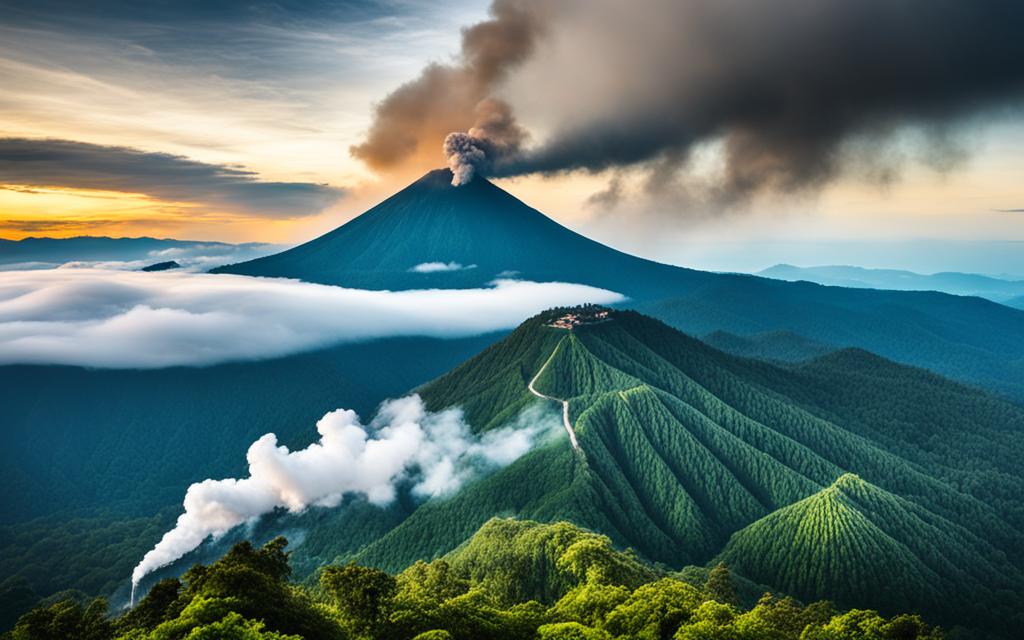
<point>846,477</point>
<point>512,580</point>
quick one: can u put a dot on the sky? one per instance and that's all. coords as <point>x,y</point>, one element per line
<point>697,133</point>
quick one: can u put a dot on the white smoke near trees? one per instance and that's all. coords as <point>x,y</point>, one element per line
<point>405,442</point>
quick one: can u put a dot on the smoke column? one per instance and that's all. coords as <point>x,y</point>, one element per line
<point>465,156</point>
<point>437,451</point>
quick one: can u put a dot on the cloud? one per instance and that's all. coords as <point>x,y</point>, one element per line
<point>119,319</point>
<point>435,267</point>
<point>80,165</point>
<point>404,442</point>
<point>791,94</point>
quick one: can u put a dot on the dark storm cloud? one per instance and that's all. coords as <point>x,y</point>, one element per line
<point>783,86</point>
<point>64,163</point>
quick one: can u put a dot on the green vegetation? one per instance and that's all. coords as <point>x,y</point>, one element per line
<point>513,580</point>
<point>95,462</point>
<point>683,446</point>
<point>862,545</point>
<point>778,346</point>
<point>690,457</point>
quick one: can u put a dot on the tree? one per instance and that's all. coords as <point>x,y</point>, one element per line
<point>156,607</point>
<point>654,611</point>
<point>570,631</point>
<point>364,594</point>
<point>719,586</point>
<point>235,627</point>
<point>65,619</point>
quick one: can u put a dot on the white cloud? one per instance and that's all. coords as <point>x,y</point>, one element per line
<point>125,319</point>
<point>435,267</point>
<point>437,451</point>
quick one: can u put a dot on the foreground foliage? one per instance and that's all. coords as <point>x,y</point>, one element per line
<point>513,580</point>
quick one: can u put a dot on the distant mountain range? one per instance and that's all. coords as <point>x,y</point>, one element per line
<point>962,284</point>
<point>41,253</point>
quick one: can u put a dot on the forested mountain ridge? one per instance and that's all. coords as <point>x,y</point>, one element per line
<point>682,446</point>
<point>860,544</point>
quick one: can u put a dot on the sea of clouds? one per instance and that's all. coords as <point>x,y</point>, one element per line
<point>125,319</point>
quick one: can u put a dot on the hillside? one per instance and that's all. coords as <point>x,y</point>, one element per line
<point>510,581</point>
<point>780,346</point>
<point>860,545</point>
<point>432,234</point>
<point>682,446</point>
<point>93,480</point>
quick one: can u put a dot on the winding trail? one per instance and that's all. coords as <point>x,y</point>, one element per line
<point>565,403</point>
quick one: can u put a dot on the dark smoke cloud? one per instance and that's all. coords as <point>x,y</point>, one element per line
<point>785,88</point>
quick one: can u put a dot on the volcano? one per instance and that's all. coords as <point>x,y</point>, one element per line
<point>435,235</point>
<point>470,235</point>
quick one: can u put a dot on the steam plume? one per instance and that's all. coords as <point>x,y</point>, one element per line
<point>791,93</point>
<point>435,451</point>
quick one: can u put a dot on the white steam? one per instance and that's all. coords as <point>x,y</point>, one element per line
<point>119,319</point>
<point>435,451</point>
<point>466,156</point>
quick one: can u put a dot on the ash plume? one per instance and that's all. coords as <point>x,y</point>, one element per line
<point>405,442</point>
<point>412,122</point>
<point>791,94</point>
<point>465,155</point>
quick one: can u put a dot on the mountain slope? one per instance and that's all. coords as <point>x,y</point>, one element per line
<point>95,462</point>
<point>469,235</point>
<point>859,545</point>
<point>480,230</point>
<point>682,446</point>
<point>780,346</point>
